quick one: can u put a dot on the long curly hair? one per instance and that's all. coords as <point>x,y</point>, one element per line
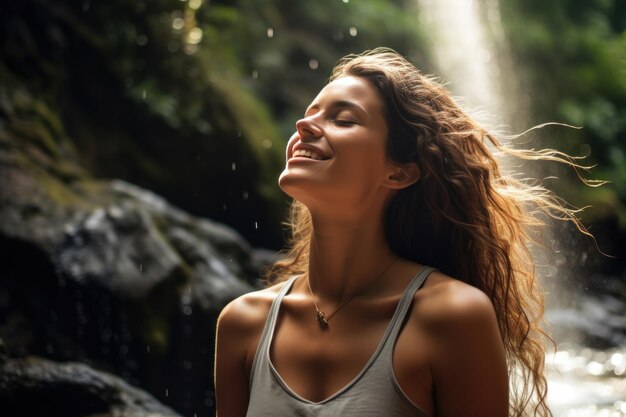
<point>464,216</point>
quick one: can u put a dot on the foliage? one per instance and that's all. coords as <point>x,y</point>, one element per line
<point>570,55</point>
<point>286,49</point>
<point>192,99</point>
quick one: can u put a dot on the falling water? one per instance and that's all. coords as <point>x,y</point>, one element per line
<point>582,382</point>
<point>463,54</point>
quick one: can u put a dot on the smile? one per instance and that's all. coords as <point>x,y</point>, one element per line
<point>308,154</point>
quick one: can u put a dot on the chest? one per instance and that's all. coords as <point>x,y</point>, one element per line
<point>316,363</point>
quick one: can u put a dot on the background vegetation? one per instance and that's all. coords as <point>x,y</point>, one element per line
<point>195,100</point>
<point>570,66</point>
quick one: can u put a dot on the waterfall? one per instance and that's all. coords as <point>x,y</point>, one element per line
<point>463,54</point>
<point>466,39</point>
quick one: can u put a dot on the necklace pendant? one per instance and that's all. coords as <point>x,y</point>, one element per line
<point>321,319</point>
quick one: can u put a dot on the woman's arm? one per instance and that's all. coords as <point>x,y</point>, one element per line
<point>234,329</point>
<point>469,369</point>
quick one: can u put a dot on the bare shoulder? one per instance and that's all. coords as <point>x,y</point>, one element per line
<point>241,322</point>
<point>448,304</point>
<point>238,330</point>
<point>248,312</point>
<point>467,356</point>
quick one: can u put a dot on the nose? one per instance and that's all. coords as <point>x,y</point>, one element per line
<point>308,128</point>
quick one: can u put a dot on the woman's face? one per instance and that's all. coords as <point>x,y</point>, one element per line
<point>337,154</point>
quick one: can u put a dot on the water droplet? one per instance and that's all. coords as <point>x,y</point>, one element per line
<point>204,127</point>
<point>140,267</point>
<point>245,195</point>
<point>194,36</point>
<point>147,348</point>
<point>142,40</point>
<point>267,144</point>
<point>167,392</point>
<point>353,31</point>
<point>233,166</point>
<point>270,33</point>
<point>195,4</point>
<point>255,75</point>
<point>178,23</point>
<point>595,368</point>
<point>144,94</point>
<point>187,310</point>
<point>313,64</point>
<point>224,207</point>
<point>256,225</point>
<point>617,358</point>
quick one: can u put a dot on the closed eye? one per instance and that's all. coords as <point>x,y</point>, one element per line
<point>343,123</point>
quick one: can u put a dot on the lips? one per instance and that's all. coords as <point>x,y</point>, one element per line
<point>308,154</point>
<point>301,150</point>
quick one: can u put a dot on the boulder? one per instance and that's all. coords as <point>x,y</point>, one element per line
<point>106,273</point>
<point>34,386</point>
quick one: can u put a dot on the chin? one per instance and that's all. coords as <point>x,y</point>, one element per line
<point>299,189</point>
<point>290,186</point>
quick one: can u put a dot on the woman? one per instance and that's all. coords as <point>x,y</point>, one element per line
<point>408,289</point>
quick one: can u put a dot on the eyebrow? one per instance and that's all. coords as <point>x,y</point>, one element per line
<point>340,104</point>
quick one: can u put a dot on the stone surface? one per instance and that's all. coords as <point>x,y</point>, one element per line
<point>106,273</point>
<point>594,317</point>
<point>35,386</point>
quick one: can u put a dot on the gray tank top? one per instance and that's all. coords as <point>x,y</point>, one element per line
<point>373,392</point>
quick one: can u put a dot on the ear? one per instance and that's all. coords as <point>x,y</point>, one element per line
<point>402,176</point>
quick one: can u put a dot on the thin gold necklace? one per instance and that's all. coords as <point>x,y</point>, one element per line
<point>322,318</point>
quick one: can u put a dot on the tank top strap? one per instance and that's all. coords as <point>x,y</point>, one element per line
<point>270,324</point>
<point>404,304</point>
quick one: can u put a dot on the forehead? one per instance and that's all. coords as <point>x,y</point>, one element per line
<point>354,89</point>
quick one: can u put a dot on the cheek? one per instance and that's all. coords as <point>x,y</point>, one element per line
<point>367,154</point>
<point>290,144</point>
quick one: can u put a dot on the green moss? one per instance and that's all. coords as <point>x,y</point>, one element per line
<point>60,193</point>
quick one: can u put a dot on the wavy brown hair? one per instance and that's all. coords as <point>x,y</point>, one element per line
<point>464,216</point>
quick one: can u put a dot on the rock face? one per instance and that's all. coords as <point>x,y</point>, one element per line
<point>596,318</point>
<point>137,106</point>
<point>134,286</point>
<point>39,387</point>
<point>107,274</point>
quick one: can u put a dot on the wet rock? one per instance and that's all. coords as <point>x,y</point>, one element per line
<point>105,272</point>
<point>34,387</point>
<point>595,317</point>
<point>132,285</point>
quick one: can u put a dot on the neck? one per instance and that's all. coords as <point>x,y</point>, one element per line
<point>346,256</point>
